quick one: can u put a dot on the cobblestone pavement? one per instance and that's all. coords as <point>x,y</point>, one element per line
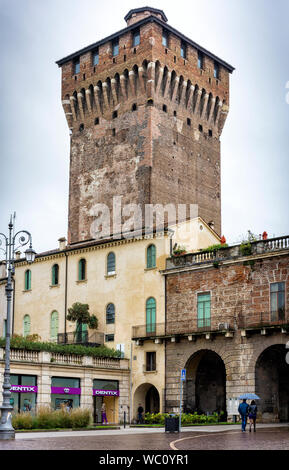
<point>275,438</point>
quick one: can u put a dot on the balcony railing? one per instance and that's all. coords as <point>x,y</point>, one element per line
<point>217,324</point>
<point>263,319</point>
<point>231,252</point>
<point>179,327</point>
<point>83,338</point>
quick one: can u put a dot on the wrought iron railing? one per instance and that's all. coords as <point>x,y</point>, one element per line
<point>84,338</point>
<point>278,318</point>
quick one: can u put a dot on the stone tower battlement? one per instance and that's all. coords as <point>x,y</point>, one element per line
<point>146,108</point>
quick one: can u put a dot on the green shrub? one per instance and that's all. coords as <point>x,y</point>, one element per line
<point>19,342</point>
<point>46,418</point>
<point>187,418</point>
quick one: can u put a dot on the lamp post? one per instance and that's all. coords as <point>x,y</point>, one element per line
<point>12,243</point>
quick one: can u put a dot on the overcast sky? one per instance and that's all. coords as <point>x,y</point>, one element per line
<point>253,36</point>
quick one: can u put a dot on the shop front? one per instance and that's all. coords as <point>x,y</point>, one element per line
<point>23,392</point>
<point>105,392</point>
<point>65,393</point>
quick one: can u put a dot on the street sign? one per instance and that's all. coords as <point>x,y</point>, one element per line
<point>183,374</point>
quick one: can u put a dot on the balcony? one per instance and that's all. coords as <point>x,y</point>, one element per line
<point>83,338</point>
<point>256,248</point>
<point>259,322</point>
<point>264,321</point>
<point>191,329</point>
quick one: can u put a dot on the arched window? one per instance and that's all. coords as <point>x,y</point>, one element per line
<point>82,270</point>
<point>27,280</point>
<point>26,325</point>
<point>110,314</point>
<point>81,333</point>
<point>55,275</point>
<point>151,315</point>
<point>151,256</point>
<point>110,264</point>
<point>54,326</point>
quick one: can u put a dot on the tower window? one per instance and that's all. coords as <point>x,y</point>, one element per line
<point>188,122</point>
<point>96,121</point>
<point>200,60</point>
<point>134,107</point>
<point>165,38</point>
<point>200,128</point>
<point>76,66</point>
<point>210,133</point>
<point>81,128</point>
<point>164,108</point>
<point>216,70</point>
<point>150,102</point>
<point>136,38</point>
<point>114,115</point>
<point>183,50</point>
<point>175,113</point>
<point>115,47</point>
<point>113,132</point>
<point>95,57</point>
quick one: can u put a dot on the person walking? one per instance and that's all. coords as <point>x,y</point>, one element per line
<point>103,413</point>
<point>243,410</point>
<point>253,415</point>
<point>139,414</point>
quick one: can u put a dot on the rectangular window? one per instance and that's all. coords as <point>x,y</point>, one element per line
<point>115,47</point>
<point>277,301</point>
<point>204,310</point>
<point>183,50</point>
<point>76,66</point>
<point>165,39</point>
<point>200,60</point>
<point>150,361</point>
<point>120,348</point>
<point>95,57</point>
<point>100,384</point>
<point>136,38</point>
<point>216,70</point>
<point>109,338</point>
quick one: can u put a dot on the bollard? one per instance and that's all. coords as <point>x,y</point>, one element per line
<point>124,417</point>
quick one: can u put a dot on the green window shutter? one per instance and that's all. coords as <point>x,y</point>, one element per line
<point>204,310</point>
<point>81,334</point>
<point>81,270</point>
<point>26,326</point>
<point>55,271</point>
<point>28,279</point>
<point>151,315</point>
<point>151,256</point>
<point>54,326</point>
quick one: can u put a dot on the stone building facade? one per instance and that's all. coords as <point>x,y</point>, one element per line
<point>227,323</point>
<point>146,108</point>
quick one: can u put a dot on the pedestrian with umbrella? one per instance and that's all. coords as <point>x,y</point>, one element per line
<point>244,410</point>
<point>253,414</point>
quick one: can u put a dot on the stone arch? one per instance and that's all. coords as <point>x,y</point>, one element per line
<point>272,384</point>
<point>148,396</point>
<point>205,386</point>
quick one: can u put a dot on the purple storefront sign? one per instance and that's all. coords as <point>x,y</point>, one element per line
<point>105,393</point>
<point>65,391</point>
<point>23,389</point>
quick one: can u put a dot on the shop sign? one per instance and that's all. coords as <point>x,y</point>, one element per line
<point>65,391</point>
<point>105,393</point>
<point>23,389</point>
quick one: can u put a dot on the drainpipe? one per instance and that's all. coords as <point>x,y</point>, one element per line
<point>65,297</point>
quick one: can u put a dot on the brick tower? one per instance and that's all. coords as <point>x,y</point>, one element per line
<point>146,108</point>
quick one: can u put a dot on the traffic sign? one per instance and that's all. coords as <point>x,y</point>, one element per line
<point>183,374</point>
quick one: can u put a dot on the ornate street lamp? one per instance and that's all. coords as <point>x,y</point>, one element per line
<point>12,243</point>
